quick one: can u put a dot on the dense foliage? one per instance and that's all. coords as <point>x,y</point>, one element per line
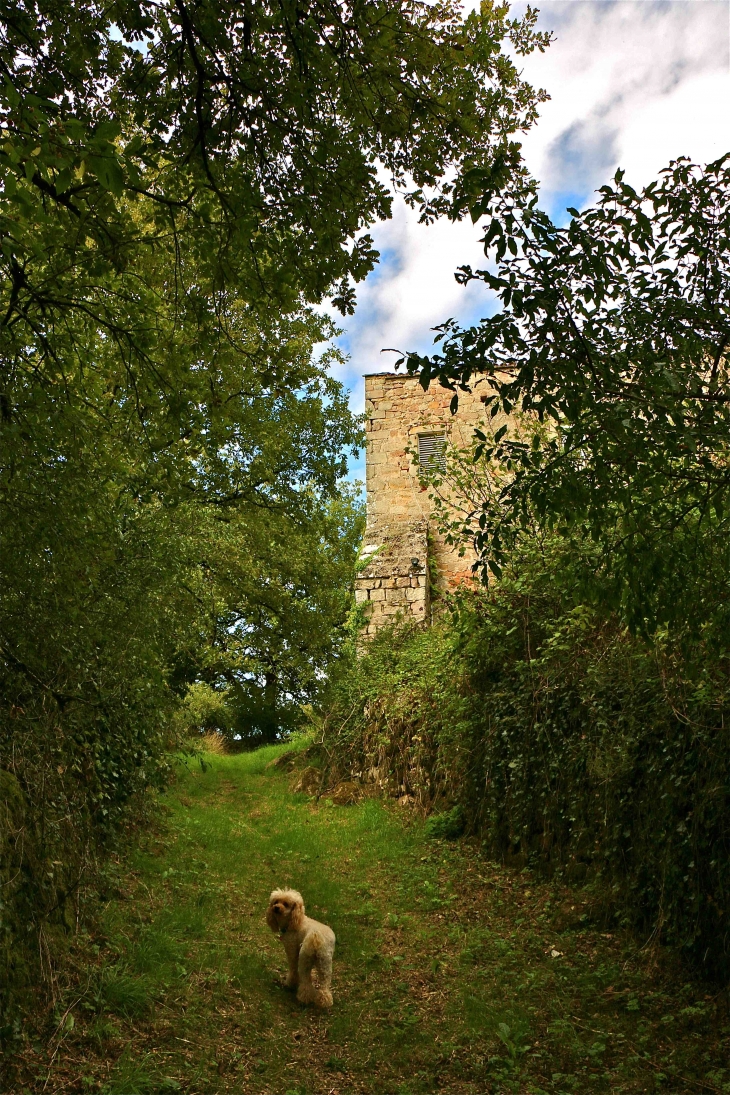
<point>242,141</point>
<point>118,592</point>
<point>564,741</point>
<point>615,330</point>
<point>177,184</point>
<point>574,712</point>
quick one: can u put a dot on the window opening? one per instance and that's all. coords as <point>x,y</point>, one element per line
<point>431,452</point>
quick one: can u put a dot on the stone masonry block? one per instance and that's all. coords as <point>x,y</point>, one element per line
<point>395,595</point>
<point>415,595</point>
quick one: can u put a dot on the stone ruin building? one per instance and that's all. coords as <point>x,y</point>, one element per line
<point>407,560</point>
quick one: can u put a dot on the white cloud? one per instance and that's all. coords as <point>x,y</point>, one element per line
<point>413,288</point>
<point>693,120</point>
<point>633,83</point>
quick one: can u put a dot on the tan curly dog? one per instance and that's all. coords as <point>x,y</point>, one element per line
<point>309,948</point>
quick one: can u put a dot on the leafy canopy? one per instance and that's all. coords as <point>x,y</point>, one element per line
<point>616,330</point>
<point>249,134</point>
<point>173,176</point>
<point>177,182</point>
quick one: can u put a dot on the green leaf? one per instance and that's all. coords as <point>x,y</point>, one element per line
<point>109,173</point>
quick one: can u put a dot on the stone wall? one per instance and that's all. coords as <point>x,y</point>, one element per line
<point>398,534</point>
<point>395,581</point>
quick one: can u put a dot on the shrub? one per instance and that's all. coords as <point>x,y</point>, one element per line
<point>204,711</point>
<point>569,744</point>
<point>447,826</point>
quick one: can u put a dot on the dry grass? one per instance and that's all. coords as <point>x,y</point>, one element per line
<point>213,742</point>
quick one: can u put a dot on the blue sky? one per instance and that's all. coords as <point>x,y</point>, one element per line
<point>633,84</point>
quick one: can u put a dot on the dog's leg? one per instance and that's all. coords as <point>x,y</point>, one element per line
<point>292,977</point>
<point>323,993</point>
<point>306,992</point>
<point>314,955</point>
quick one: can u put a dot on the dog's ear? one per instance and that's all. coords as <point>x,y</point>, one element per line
<point>297,914</point>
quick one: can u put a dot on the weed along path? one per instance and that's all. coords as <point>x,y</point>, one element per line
<point>450,975</point>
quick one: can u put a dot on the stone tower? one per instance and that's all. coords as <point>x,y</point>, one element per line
<point>406,557</point>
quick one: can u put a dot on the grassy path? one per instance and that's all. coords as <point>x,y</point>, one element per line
<point>451,975</point>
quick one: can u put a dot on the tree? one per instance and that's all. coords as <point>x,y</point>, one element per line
<point>178,182</point>
<point>282,589</point>
<point>239,142</point>
<point>129,571</point>
<point>614,329</point>
<point>177,179</point>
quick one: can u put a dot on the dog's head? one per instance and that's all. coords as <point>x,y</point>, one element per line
<point>285,911</point>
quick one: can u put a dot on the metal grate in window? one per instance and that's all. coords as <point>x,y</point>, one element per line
<point>431,450</point>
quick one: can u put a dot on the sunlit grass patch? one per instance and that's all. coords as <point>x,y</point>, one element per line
<point>444,979</point>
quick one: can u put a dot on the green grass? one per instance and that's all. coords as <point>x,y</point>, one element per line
<point>451,974</point>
